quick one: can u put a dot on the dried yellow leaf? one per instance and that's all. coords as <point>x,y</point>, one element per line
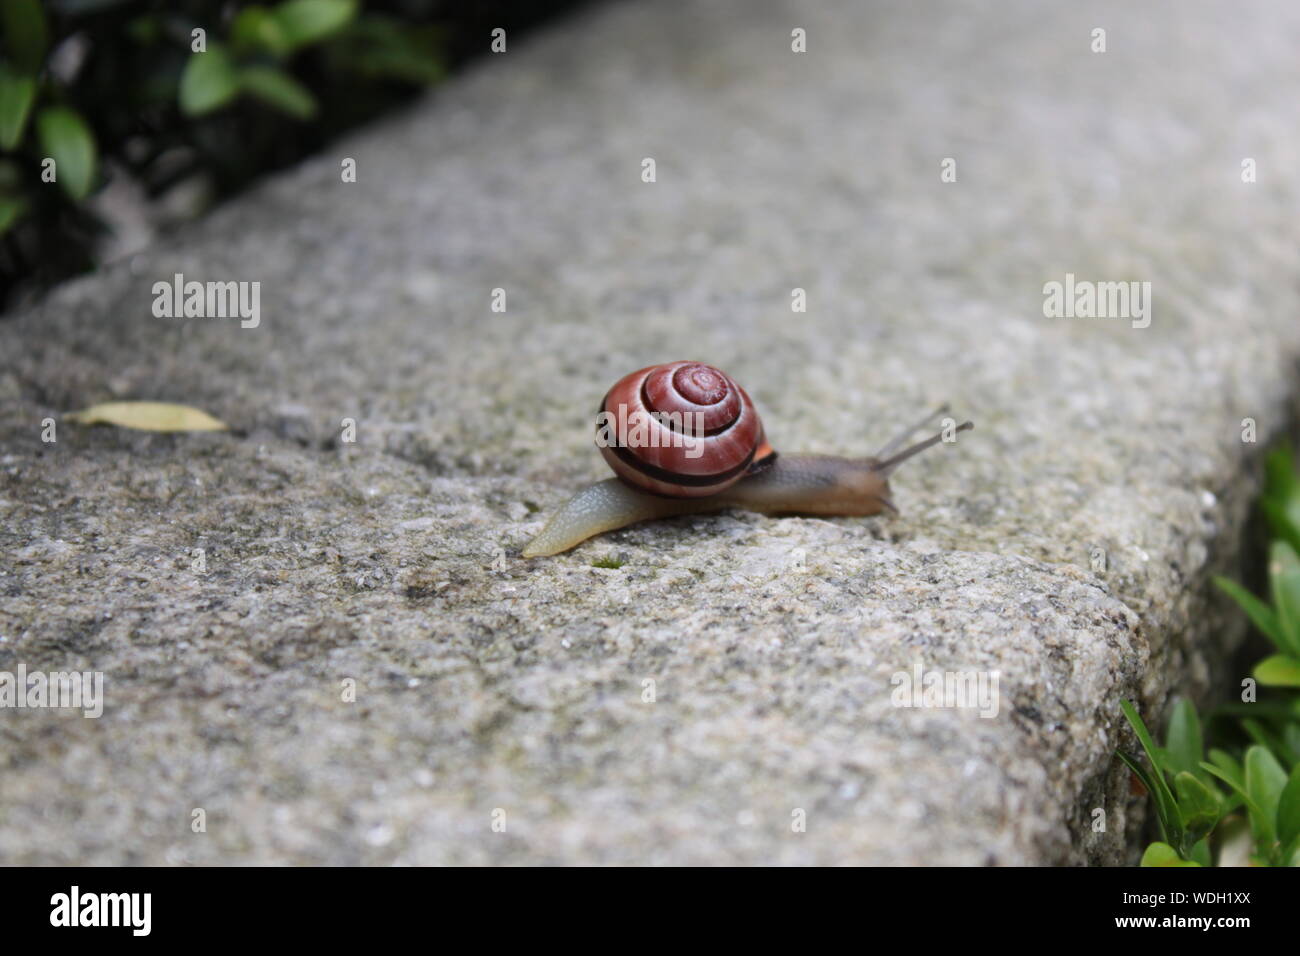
<point>148,416</point>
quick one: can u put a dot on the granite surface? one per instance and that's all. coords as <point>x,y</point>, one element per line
<point>333,648</point>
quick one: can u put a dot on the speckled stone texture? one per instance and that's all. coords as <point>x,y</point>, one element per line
<point>488,683</point>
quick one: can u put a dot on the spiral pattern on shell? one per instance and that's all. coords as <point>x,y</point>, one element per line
<point>683,429</point>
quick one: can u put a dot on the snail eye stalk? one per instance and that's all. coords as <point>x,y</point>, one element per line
<point>889,464</point>
<point>895,443</point>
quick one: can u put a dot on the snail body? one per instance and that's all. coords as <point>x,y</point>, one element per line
<point>683,438</point>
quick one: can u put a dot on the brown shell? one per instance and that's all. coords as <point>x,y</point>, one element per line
<point>655,420</point>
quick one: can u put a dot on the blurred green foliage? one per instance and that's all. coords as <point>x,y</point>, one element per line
<point>109,88</point>
<point>1279,619</point>
<point>1198,793</point>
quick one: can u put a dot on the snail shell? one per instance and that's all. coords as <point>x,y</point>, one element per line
<point>681,430</point>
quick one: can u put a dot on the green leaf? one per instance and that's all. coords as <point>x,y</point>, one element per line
<point>1200,854</point>
<point>303,22</point>
<point>1262,735</point>
<point>256,28</point>
<point>1284,582</point>
<point>1231,771</point>
<point>1288,808</point>
<point>1162,854</point>
<point>65,137</point>
<point>1280,480</point>
<point>1278,670</point>
<point>26,35</point>
<point>1283,520</point>
<point>1265,780</point>
<point>144,30</point>
<point>1166,807</point>
<point>1229,764</point>
<point>1251,807</point>
<point>1291,853</point>
<point>385,47</point>
<point>1199,806</point>
<point>1184,748</point>
<point>208,82</point>
<point>11,210</point>
<point>1169,828</point>
<point>278,89</point>
<point>1291,738</point>
<point>1281,499</point>
<point>1260,614</point>
<point>17,93</point>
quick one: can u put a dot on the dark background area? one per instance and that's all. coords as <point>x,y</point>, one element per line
<point>108,77</point>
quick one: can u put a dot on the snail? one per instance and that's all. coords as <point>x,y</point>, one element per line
<point>684,438</point>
